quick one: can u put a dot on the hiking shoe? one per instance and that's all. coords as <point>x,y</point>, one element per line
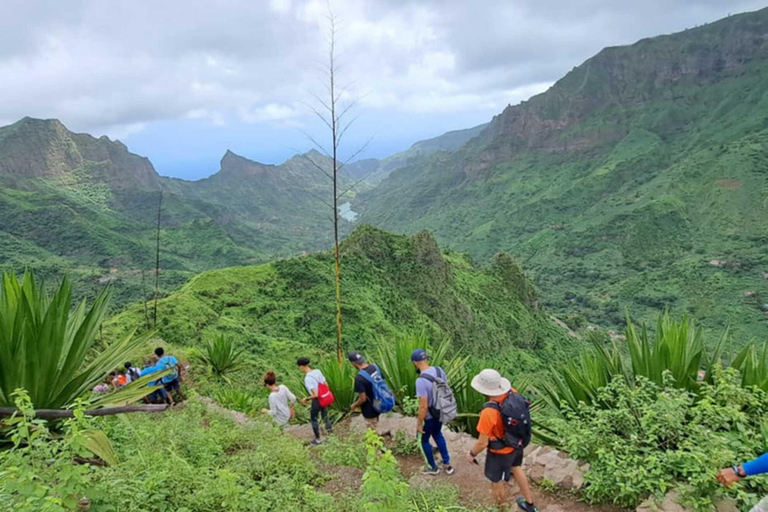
<point>524,505</point>
<point>430,471</point>
<point>447,468</point>
<point>315,442</point>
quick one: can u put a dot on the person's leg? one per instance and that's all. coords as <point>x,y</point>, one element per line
<point>499,493</point>
<point>522,481</point>
<point>314,412</point>
<point>373,423</point>
<point>177,387</point>
<point>497,470</point>
<point>426,447</point>
<point>437,434</point>
<point>328,424</point>
<point>526,501</point>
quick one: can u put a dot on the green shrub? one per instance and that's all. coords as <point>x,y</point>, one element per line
<point>37,473</point>
<point>647,438</point>
<point>343,452</point>
<point>222,357</point>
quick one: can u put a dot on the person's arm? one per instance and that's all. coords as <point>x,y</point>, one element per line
<point>422,416</point>
<point>361,398</point>
<point>480,446</point>
<point>360,390</point>
<point>728,476</point>
<point>312,395</point>
<point>272,408</point>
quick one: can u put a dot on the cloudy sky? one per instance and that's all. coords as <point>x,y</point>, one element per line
<point>181,81</point>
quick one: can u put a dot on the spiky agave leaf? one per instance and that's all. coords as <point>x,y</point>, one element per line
<point>48,348</point>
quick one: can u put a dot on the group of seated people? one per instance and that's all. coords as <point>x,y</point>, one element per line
<point>159,361</point>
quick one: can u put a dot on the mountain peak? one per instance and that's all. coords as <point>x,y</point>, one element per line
<point>45,148</point>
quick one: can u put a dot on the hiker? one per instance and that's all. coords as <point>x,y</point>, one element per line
<point>159,395</point>
<point>367,376</point>
<point>317,387</point>
<point>504,429</point>
<point>121,380</point>
<point>112,379</point>
<point>132,372</point>
<point>281,400</point>
<point>171,382</point>
<point>758,466</point>
<point>429,422</point>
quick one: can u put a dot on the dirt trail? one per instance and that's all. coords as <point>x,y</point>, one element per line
<point>474,489</point>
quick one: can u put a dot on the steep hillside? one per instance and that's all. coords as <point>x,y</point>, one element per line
<point>374,170</point>
<point>390,283</point>
<point>638,180</point>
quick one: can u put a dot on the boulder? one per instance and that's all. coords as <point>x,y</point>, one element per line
<point>545,462</point>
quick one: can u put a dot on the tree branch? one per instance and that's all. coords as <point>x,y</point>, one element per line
<point>48,414</point>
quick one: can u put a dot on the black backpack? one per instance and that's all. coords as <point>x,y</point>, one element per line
<point>516,415</point>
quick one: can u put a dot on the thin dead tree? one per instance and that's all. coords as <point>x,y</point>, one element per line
<point>157,256</point>
<point>333,111</point>
<point>144,295</point>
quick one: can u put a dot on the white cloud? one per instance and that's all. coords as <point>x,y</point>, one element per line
<point>118,66</point>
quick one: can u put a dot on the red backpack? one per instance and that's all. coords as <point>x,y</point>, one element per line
<point>324,395</point>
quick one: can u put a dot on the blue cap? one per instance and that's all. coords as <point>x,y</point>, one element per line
<point>419,355</point>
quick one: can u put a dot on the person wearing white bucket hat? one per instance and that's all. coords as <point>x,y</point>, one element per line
<point>501,461</point>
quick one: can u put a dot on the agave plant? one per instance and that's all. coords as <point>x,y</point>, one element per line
<point>222,356</point>
<point>341,381</point>
<point>677,348</point>
<point>753,366</point>
<point>394,359</point>
<point>49,349</point>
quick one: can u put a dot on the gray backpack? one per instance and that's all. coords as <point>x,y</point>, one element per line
<point>444,408</point>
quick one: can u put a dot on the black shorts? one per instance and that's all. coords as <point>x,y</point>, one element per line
<point>499,467</point>
<point>172,386</point>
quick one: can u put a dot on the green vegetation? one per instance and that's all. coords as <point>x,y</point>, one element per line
<point>648,408</point>
<point>394,285</point>
<point>669,437</point>
<point>637,181</point>
<point>50,350</point>
<point>222,357</point>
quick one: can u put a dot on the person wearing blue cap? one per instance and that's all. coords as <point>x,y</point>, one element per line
<point>427,425</point>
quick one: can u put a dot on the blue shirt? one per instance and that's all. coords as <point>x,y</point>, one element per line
<point>148,371</point>
<point>166,363</point>
<point>757,466</point>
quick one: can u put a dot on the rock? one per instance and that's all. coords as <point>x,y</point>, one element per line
<point>670,504</point>
<point>726,504</point>
<point>390,422</point>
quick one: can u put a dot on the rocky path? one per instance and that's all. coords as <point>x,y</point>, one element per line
<point>474,489</point>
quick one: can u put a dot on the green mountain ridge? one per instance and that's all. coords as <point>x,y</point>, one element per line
<point>638,180</point>
<point>391,285</point>
<point>75,204</point>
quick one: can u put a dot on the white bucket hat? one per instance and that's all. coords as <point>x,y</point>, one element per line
<point>490,383</point>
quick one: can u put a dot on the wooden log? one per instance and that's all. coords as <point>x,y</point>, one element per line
<point>49,414</point>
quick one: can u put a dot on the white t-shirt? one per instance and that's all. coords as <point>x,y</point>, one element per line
<point>313,379</point>
<point>279,404</point>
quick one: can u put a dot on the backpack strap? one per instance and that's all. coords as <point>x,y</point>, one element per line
<point>495,444</point>
<point>439,371</point>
